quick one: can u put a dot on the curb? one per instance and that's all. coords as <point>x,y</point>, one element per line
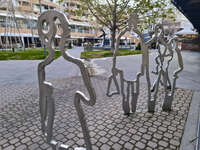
<point>189,138</point>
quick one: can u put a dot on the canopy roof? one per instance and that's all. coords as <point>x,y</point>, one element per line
<point>186,31</point>
<point>191,10</point>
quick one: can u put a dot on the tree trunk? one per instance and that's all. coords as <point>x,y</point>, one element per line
<point>113,40</point>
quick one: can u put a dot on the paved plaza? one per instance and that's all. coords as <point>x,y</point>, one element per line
<point>109,128</point>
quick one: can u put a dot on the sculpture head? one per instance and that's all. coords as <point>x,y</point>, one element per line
<point>49,23</point>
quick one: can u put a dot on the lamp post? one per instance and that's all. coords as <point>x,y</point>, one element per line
<point>41,42</point>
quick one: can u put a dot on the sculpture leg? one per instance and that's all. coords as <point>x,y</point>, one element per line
<point>152,102</point>
<point>153,87</point>
<point>167,103</point>
<point>151,105</point>
<point>134,97</point>
<point>125,100</point>
<point>47,110</point>
<point>169,86</point>
<point>168,97</point>
<point>50,118</point>
<point>113,77</point>
<point>82,119</point>
<point>43,111</point>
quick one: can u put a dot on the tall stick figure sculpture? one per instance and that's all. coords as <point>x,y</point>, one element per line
<point>47,104</point>
<point>165,56</point>
<point>169,94</point>
<point>133,87</point>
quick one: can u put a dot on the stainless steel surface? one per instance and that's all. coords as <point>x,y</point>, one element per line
<point>55,21</point>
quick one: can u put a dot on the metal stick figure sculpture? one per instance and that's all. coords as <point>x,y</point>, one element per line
<point>133,87</point>
<point>165,56</point>
<point>47,104</point>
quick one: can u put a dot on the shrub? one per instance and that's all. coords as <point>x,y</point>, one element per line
<point>138,47</point>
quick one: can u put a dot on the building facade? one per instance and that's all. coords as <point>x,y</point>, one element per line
<point>83,30</point>
<point>18,23</point>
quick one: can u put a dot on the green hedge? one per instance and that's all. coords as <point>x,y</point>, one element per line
<point>106,53</point>
<point>31,54</point>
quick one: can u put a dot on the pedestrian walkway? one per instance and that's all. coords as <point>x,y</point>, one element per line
<point>109,128</point>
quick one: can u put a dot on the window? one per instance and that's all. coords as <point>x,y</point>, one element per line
<point>73,28</point>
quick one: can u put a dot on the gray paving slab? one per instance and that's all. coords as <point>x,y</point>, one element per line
<point>189,77</point>
<point>25,71</point>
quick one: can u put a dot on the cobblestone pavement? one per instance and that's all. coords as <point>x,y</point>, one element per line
<point>109,128</point>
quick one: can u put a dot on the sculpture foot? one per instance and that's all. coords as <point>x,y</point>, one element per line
<point>167,105</point>
<point>166,108</point>
<point>111,94</point>
<point>80,148</point>
<point>169,87</point>
<point>57,146</point>
<point>151,111</point>
<point>127,114</point>
<point>152,89</point>
<point>151,107</point>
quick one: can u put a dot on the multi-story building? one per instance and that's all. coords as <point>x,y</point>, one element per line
<point>82,29</point>
<point>18,24</point>
<point>18,21</point>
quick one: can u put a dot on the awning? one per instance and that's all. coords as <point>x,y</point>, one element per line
<point>186,31</point>
<point>77,23</point>
<point>22,35</point>
<point>18,35</point>
<point>125,38</point>
<point>19,16</point>
<point>191,10</point>
<point>83,37</point>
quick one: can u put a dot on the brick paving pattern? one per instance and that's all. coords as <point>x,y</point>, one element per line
<point>109,128</point>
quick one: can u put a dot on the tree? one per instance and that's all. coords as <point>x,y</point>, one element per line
<point>114,14</point>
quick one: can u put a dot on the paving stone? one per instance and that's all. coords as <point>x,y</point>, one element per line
<point>116,146</point>
<point>163,143</point>
<point>35,146</point>
<point>3,141</point>
<point>174,142</point>
<point>104,147</point>
<point>162,129</point>
<point>146,136</point>
<point>125,138</point>
<point>128,146</point>
<point>112,132</point>
<point>152,144</point>
<point>142,130</point>
<point>11,147</point>
<point>152,129</point>
<point>102,133</point>
<point>140,145</point>
<point>136,137</point>
<point>103,140</point>
<point>25,140</point>
<point>158,136</point>
<point>114,139</point>
<point>168,135</point>
<point>13,141</point>
<point>178,134</point>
